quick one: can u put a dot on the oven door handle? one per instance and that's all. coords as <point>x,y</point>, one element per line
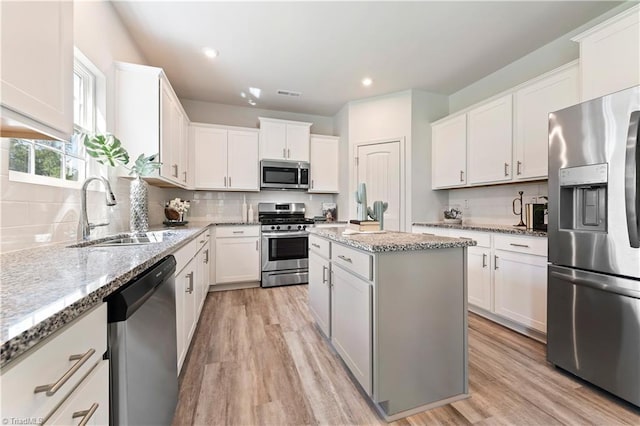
<point>285,234</point>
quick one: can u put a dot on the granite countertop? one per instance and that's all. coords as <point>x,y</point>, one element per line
<point>44,288</point>
<point>390,241</point>
<point>503,229</point>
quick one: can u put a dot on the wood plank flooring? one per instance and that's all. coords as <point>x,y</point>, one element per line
<point>258,359</point>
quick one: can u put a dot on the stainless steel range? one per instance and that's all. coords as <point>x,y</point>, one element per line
<point>285,244</point>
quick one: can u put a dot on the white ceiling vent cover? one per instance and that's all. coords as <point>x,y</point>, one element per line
<point>289,93</point>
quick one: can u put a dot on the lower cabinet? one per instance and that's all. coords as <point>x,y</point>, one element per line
<point>351,323</point>
<point>237,254</point>
<point>506,276</point>
<point>89,403</point>
<point>320,291</point>
<point>521,288</point>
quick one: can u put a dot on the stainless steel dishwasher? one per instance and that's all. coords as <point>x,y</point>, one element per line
<point>142,348</point>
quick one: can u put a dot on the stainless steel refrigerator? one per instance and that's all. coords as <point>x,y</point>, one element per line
<point>593,299</point>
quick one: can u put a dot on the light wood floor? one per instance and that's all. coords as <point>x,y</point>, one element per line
<point>258,359</point>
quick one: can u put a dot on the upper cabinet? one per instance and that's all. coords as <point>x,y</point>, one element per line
<point>37,65</point>
<point>449,152</point>
<point>610,55</point>
<point>504,139</point>
<point>324,164</point>
<point>226,158</point>
<point>490,140</point>
<point>284,140</point>
<point>532,105</point>
<point>149,119</point>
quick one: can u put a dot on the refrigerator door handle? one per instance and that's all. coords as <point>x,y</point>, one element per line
<point>631,176</point>
<point>596,285</point>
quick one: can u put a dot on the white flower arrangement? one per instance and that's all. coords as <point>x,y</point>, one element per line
<point>179,205</point>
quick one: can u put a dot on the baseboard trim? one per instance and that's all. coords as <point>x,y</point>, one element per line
<point>527,331</point>
<point>233,286</point>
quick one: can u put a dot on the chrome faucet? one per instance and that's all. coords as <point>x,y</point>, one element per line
<point>110,200</point>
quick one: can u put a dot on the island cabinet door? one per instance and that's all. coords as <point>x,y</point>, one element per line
<point>479,277</point>
<point>320,292</point>
<point>351,323</point>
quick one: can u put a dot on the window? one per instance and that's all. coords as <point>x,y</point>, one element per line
<point>53,162</point>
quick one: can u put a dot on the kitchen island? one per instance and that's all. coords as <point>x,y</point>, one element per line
<point>393,305</point>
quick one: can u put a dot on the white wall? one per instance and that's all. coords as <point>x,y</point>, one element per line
<point>232,115</point>
<point>426,108</point>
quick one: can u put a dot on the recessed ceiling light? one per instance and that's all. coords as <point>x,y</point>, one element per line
<point>255,92</point>
<point>252,102</point>
<point>367,81</point>
<point>210,53</point>
<point>242,94</point>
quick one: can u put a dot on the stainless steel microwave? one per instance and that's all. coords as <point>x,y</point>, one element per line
<point>276,174</point>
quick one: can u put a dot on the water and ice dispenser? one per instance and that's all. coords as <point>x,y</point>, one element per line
<point>583,198</point>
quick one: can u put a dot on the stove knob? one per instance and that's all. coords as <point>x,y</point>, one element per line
<point>273,227</point>
<point>299,227</point>
<point>289,227</point>
<point>304,227</point>
<point>278,227</point>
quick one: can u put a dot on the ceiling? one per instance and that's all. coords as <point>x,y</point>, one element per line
<point>325,49</point>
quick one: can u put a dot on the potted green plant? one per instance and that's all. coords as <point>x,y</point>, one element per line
<point>107,149</point>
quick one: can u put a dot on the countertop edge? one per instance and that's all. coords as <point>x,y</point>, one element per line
<point>20,344</point>
<point>499,229</point>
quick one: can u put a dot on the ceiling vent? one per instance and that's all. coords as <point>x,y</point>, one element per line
<point>289,93</point>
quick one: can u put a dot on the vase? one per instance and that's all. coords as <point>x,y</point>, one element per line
<point>139,209</point>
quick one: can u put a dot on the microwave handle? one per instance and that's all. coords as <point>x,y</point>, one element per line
<point>631,180</point>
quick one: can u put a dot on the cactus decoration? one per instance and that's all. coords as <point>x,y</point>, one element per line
<point>361,199</point>
<point>377,213</point>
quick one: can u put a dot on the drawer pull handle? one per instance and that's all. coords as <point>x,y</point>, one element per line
<point>190,288</point>
<point>506,169</point>
<point>426,233</point>
<point>495,262</point>
<point>52,388</point>
<point>466,238</point>
<point>324,272</point>
<point>86,414</point>
<point>238,232</point>
<point>346,259</point>
<point>315,245</point>
<point>461,176</point>
<point>519,245</point>
<point>484,260</point>
<point>519,164</point>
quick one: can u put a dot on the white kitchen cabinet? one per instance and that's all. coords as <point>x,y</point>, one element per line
<point>49,362</point>
<point>149,119</point>
<point>490,139</point>
<point>37,65</point>
<point>237,254</point>
<point>521,288</point>
<point>610,55</point>
<point>320,291</point>
<point>226,158</point>
<point>351,323</point>
<point>284,140</point>
<point>202,276</point>
<point>449,152</point>
<point>186,309</point>
<point>532,105</point>
<point>88,403</point>
<point>324,163</point>
<point>479,285</point>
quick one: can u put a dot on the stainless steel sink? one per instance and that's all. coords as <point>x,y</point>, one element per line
<point>125,240</point>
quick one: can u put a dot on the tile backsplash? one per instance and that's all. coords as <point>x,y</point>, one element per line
<point>494,204</point>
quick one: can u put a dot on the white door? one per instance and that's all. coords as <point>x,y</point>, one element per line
<point>489,144</point>
<point>319,291</point>
<point>532,107</point>
<point>521,288</point>
<point>243,161</point>
<point>210,145</point>
<point>449,153</point>
<point>169,168</point>
<point>324,164</point>
<point>297,142</point>
<point>379,168</point>
<point>479,277</point>
<point>273,137</point>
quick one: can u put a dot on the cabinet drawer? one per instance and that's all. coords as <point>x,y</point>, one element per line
<point>92,397</point>
<point>352,260</point>
<point>202,240</point>
<point>530,245</point>
<point>49,362</point>
<point>184,254</point>
<point>482,238</point>
<point>237,231</point>
<point>319,245</point>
